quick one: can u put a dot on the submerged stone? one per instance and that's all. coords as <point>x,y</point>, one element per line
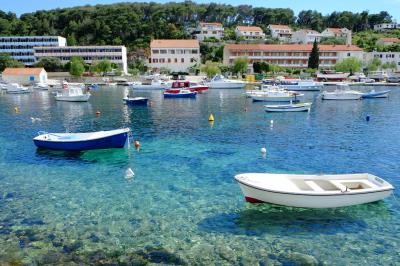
<point>32,221</point>
<point>94,238</point>
<point>160,255</point>
<point>71,247</point>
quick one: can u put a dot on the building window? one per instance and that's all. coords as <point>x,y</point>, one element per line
<point>163,51</point>
<point>348,54</point>
<point>169,60</point>
<point>155,60</point>
<point>172,51</point>
<point>195,51</point>
<point>156,51</point>
<point>176,60</point>
<point>182,60</point>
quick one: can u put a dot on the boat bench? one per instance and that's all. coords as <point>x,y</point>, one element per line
<point>313,185</point>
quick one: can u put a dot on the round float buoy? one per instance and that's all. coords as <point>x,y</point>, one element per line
<point>211,118</point>
<point>367,118</point>
<point>136,143</point>
<point>16,109</point>
<point>263,150</point>
<point>98,113</point>
<point>271,122</point>
<point>245,109</point>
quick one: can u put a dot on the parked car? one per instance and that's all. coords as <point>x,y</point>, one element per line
<point>393,79</point>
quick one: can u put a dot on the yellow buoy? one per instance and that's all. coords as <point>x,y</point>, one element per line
<point>16,109</point>
<point>211,118</point>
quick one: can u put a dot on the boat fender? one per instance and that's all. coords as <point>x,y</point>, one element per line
<point>272,122</point>
<point>263,150</point>
<point>129,174</point>
<point>136,143</point>
<point>211,118</point>
<point>98,113</point>
<point>16,109</point>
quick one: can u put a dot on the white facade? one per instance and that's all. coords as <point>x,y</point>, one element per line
<point>289,55</point>
<point>24,76</point>
<point>386,26</point>
<point>21,47</point>
<point>175,55</point>
<point>338,33</point>
<point>209,30</point>
<point>387,41</point>
<point>281,32</point>
<point>249,32</point>
<point>306,36</point>
<point>385,57</point>
<point>90,54</point>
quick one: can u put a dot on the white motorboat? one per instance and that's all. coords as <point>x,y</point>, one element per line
<point>153,85</point>
<point>275,94</point>
<point>72,94</point>
<point>15,88</point>
<point>313,191</point>
<point>301,85</point>
<point>376,94</point>
<point>378,75</point>
<point>259,90</point>
<point>298,107</point>
<point>220,82</point>
<point>343,92</point>
<point>41,86</point>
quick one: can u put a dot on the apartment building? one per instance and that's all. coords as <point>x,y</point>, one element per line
<point>343,33</point>
<point>175,55</point>
<point>386,26</point>
<point>21,47</point>
<point>209,30</point>
<point>387,41</point>
<point>306,36</point>
<point>250,32</point>
<point>385,57</point>
<point>289,55</point>
<point>90,54</point>
<point>281,32</point>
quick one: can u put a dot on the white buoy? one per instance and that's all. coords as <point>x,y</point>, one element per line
<point>263,150</point>
<point>34,119</point>
<point>129,174</point>
<point>272,122</point>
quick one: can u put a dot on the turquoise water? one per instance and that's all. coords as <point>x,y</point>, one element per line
<point>183,206</point>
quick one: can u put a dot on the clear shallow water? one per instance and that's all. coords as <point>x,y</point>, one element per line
<point>183,206</point>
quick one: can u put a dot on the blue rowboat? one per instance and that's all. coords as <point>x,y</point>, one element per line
<point>376,94</point>
<point>82,141</point>
<point>180,94</point>
<point>136,100</point>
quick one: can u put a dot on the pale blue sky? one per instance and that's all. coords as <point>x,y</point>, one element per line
<point>326,6</point>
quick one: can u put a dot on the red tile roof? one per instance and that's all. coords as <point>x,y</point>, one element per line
<point>210,23</point>
<point>395,40</point>
<point>249,28</point>
<point>174,44</point>
<point>286,27</point>
<point>335,30</point>
<point>291,47</point>
<point>22,71</point>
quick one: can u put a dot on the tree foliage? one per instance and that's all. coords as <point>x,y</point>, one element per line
<point>374,64</point>
<point>313,60</point>
<point>211,69</point>
<point>7,61</point>
<point>77,66</point>
<point>350,65</point>
<point>261,67</point>
<point>240,65</point>
<point>102,67</point>
<point>51,64</point>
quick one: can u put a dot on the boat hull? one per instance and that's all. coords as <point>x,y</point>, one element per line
<point>380,94</point>
<point>114,141</point>
<point>226,85</point>
<point>180,95</point>
<point>256,195</point>
<point>287,108</point>
<point>303,87</point>
<point>77,98</point>
<point>275,99</point>
<point>138,101</point>
<point>341,96</point>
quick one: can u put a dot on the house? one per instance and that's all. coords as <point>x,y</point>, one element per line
<point>209,30</point>
<point>281,32</point>
<point>24,76</point>
<point>289,55</point>
<point>386,26</point>
<point>384,57</point>
<point>175,55</point>
<point>387,41</point>
<point>343,33</point>
<point>306,36</point>
<point>250,32</point>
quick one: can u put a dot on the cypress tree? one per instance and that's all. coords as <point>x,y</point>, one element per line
<point>313,60</point>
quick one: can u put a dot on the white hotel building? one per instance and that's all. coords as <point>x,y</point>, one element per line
<point>209,30</point>
<point>289,55</point>
<point>21,47</point>
<point>175,55</point>
<point>90,54</point>
<point>384,57</point>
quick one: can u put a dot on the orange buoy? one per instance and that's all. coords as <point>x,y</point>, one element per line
<point>98,113</point>
<point>136,143</point>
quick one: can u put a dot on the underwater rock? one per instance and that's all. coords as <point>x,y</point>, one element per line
<point>161,255</point>
<point>32,221</point>
<point>51,236</point>
<point>299,259</point>
<point>71,247</point>
<point>94,238</point>
<point>10,195</point>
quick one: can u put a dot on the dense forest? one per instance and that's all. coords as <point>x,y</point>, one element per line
<point>135,24</point>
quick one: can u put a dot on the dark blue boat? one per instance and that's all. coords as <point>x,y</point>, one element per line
<point>376,94</point>
<point>180,94</point>
<point>82,141</point>
<point>136,100</point>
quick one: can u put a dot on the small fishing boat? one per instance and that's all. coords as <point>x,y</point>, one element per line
<point>136,100</point>
<point>180,94</point>
<point>220,82</point>
<point>298,107</point>
<point>276,95</point>
<point>177,86</point>
<point>72,94</point>
<point>343,92</point>
<point>300,85</point>
<point>41,86</point>
<point>152,85</point>
<point>82,141</point>
<point>313,191</point>
<point>376,94</point>
<point>14,88</point>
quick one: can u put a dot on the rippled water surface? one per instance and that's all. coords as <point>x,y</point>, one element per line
<point>183,206</point>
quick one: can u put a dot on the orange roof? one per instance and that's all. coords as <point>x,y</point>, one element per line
<point>174,44</point>
<point>249,28</point>
<point>335,30</point>
<point>309,31</point>
<point>210,23</point>
<point>396,40</point>
<point>291,47</point>
<point>22,71</point>
<point>286,27</point>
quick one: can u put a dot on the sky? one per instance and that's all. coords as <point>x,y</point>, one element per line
<point>325,6</point>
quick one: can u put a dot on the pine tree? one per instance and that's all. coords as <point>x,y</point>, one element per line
<point>313,60</point>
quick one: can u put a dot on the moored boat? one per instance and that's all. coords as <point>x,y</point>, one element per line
<point>376,94</point>
<point>343,92</point>
<point>313,191</point>
<point>72,94</point>
<point>276,95</point>
<point>220,82</point>
<point>41,86</point>
<point>152,85</point>
<point>82,141</point>
<point>177,86</point>
<point>180,94</point>
<point>298,107</point>
<point>136,100</point>
<point>301,85</point>
<point>14,88</point>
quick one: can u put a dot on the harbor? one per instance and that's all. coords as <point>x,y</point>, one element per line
<point>182,205</point>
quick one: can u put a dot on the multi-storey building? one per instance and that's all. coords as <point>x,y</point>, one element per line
<point>209,30</point>
<point>249,32</point>
<point>386,26</point>
<point>387,41</point>
<point>306,36</point>
<point>21,47</point>
<point>290,55</point>
<point>338,33</point>
<point>90,54</point>
<point>175,55</point>
<point>281,32</point>
<point>385,57</point>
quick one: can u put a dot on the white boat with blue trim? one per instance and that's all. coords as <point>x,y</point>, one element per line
<point>301,85</point>
<point>376,94</point>
<point>276,95</point>
<point>297,107</point>
<point>313,191</point>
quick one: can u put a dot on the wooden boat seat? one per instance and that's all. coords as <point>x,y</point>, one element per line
<point>313,185</point>
<point>353,184</point>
